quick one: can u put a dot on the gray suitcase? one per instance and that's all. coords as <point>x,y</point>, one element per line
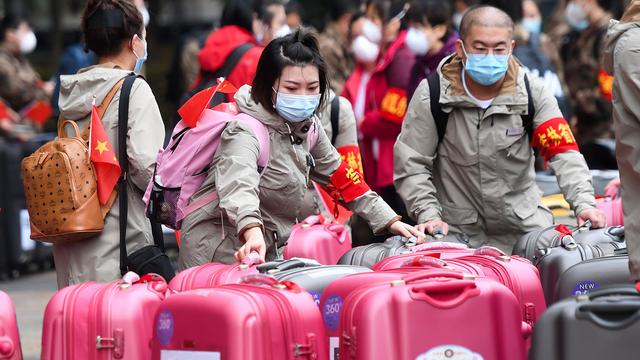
<point>557,260</point>
<point>594,274</point>
<point>315,279</point>
<point>602,325</point>
<point>369,255</point>
<point>530,245</point>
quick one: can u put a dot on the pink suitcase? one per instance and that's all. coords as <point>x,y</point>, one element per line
<point>333,298</point>
<point>214,274</point>
<point>434,314</point>
<point>516,273</point>
<point>9,337</point>
<point>440,250</point>
<point>266,319</point>
<point>93,321</point>
<point>315,239</point>
<point>612,206</point>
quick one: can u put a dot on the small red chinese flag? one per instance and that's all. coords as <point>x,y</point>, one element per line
<point>39,112</point>
<point>103,158</point>
<point>192,109</point>
<point>4,112</point>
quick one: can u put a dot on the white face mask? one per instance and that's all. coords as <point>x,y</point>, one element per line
<point>284,30</point>
<point>372,31</point>
<point>417,42</point>
<point>365,51</point>
<point>28,42</point>
<point>576,16</point>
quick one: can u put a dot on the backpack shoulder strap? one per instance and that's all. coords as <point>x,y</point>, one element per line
<point>262,134</point>
<point>440,117</point>
<point>527,120</point>
<point>229,64</point>
<point>335,119</point>
<point>104,104</point>
<point>123,124</point>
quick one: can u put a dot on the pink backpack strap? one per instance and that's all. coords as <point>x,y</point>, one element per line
<point>262,134</point>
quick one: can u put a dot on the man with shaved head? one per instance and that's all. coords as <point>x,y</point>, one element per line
<point>464,159</point>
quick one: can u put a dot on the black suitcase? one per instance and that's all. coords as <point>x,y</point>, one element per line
<point>529,245</point>
<point>557,260</point>
<point>601,325</point>
<point>369,255</point>
<point>591,275</point>
<point>24,254</point>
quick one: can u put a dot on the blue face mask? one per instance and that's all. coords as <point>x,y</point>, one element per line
<point>140,60</point>
<point>486,69</point>
<point>532,25</point>
<point>296,108</point>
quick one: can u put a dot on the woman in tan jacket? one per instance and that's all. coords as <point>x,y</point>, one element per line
<point>114,30</point>
<point>256,212</point>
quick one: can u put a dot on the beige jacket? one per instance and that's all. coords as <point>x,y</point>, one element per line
<point>481,178</point>
<point>347,135</point>
<point>273,200</point>
<point>98,258</point>
<point>621,59</point>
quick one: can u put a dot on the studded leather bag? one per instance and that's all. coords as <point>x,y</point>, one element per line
<point>61,188</point>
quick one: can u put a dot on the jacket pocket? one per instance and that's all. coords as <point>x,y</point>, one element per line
<point>458,216</point>
<point>515,161</point>
<point>525,204</point>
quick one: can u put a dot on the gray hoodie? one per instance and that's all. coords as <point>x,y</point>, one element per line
<point>622,60</point>
<point>98,258</point>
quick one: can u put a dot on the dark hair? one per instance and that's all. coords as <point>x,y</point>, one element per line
<point>11,22</point>
<point>299,48</point>
<point>108,24</point>
<point>241,12</point>
<point>293,7</point>
<point>435,12</point>
<point>339,8</point>
<point>614,7</point>
<point>513,8</point>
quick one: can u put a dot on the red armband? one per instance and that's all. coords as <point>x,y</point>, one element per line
<point>605,83</point>
<point>554,137</point>
<point>351,155</point>
<point>348,182</point>
<point>394,105</point>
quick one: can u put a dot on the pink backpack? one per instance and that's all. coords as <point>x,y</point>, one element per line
<point>183,165</point>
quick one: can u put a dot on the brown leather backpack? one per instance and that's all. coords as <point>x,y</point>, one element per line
<point>60,186</point>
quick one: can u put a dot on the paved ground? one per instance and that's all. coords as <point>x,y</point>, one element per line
<point>30,294</point>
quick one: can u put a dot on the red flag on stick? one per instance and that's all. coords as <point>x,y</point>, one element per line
<point>103,158</point>
<point>39,112</point>
<point>192,109</point>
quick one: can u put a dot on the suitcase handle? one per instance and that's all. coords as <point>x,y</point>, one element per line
<point>426,261</point>
<point>262,279</point>
<point>610,315</point>
<point>439,245</point>
<point>447,294</point>
<point>491,251</point>
<point>432,274</point>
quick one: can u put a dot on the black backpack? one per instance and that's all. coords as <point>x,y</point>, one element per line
<point>441,118</point>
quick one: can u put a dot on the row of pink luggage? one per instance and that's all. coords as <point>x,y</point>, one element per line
<point>297,309</point>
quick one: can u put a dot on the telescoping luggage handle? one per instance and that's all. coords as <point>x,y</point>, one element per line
<point>615,313</point>
<point>262,279</point>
